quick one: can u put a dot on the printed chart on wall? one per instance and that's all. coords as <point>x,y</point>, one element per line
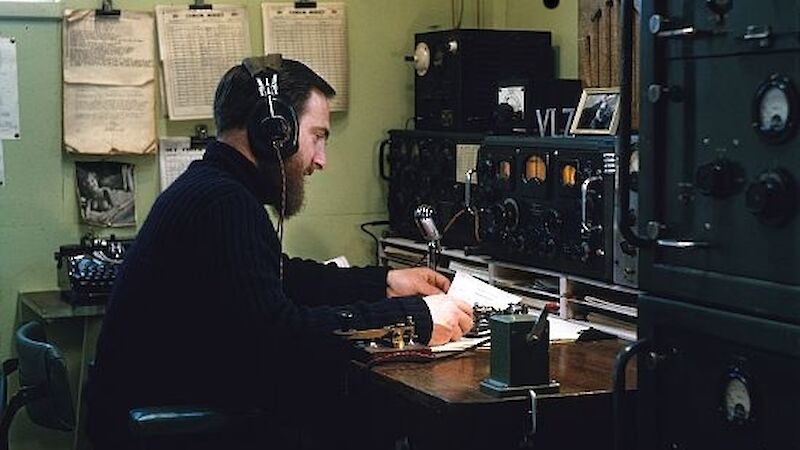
<point>175,155</point>
<point>109,82</point>
<point>9,90</point>
<point>316,36</point>
<point>197,46</point>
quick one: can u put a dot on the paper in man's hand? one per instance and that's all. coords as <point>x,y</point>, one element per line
<point>477,292</point>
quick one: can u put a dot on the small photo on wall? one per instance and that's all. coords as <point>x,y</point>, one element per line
<point>106,193</point>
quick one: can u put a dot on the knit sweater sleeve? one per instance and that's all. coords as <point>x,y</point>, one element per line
<point>246,257</point>
<point>332,285</point>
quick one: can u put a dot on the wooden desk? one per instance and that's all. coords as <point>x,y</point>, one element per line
<point>50,307</point>
<point>439,405</point>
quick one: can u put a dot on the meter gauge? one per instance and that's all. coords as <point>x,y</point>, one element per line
<point>737,402</point>
<point>774,110</point>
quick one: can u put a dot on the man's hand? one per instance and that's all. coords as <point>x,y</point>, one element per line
<point>415,281</point>
<point>451,317</point>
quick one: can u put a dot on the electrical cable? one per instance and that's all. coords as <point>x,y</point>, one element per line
<point>457,215</point>
<point>375,238</point>
<point>282,213</point>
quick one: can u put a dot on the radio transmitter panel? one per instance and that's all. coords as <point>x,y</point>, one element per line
<point>718,202</point>
<point>429,167</point>
<point>719,151</point>
<point>456,88</point>
<point>549,203</point>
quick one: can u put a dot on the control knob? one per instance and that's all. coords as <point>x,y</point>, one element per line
<point>719,179</point>
<point>772,197</point>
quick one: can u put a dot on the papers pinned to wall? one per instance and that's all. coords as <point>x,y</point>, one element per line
<point>109,83</point>
<point>315,36</point>
<point>175,155</point>
<point>9,89</point>
<point>197,47</point>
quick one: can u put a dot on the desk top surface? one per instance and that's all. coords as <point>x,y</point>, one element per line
<point>580,368</point>
<point>49,305</point>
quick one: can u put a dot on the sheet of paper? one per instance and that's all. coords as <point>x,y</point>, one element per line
<point>197,47</point>
<point>109,119</point>
<point>480,293</point>
<point>108,51</point>
<point>564,331</point>
<point>174,156</point>
<point>460,345</point>
<point>9,89</point>
<point>315,36</point>
<point>109,83</point>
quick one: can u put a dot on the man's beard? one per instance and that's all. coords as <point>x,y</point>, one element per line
<point>294,184</point>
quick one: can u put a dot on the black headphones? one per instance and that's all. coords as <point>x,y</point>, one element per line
<point>272,128</point>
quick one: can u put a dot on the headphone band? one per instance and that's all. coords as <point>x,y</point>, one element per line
<point>257,65</point>
<point>273,125</point>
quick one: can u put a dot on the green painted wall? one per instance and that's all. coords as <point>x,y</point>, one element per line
<point>38,202</point>
<point>561,21</point>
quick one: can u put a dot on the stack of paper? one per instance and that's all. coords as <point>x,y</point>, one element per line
<point>477,292</point>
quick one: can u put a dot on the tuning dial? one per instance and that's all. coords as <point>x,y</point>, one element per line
<point>719,179</point>
<point>772,197</point>
<point>511,213</point>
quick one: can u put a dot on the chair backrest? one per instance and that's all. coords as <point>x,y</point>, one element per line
<point>41,364</point>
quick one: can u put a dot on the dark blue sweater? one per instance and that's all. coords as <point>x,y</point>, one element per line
<point>199,315</point>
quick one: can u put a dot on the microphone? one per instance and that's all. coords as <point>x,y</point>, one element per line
<point>423,216</point>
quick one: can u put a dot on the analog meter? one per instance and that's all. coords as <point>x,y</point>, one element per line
<point>774,110</point>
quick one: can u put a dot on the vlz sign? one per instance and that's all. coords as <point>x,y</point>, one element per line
<point>549,123</point>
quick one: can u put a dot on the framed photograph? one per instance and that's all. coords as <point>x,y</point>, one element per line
<point>597,112</point>
<point>106,193</point>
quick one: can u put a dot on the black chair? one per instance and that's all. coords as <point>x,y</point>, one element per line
<point>195,427</point>
<point>43,384</point>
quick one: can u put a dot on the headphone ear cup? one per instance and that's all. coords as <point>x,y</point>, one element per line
<point>267,132</point>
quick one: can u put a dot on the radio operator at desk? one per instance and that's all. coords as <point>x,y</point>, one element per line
<point>206,309</point>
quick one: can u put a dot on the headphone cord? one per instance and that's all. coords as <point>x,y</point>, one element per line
<point>282,213</point>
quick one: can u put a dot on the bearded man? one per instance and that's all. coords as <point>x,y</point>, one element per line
<point>207,310</point>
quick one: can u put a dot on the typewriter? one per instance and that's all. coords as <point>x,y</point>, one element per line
<point>86,272</point>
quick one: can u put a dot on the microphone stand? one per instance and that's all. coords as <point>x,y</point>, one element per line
<point>434,249</point>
